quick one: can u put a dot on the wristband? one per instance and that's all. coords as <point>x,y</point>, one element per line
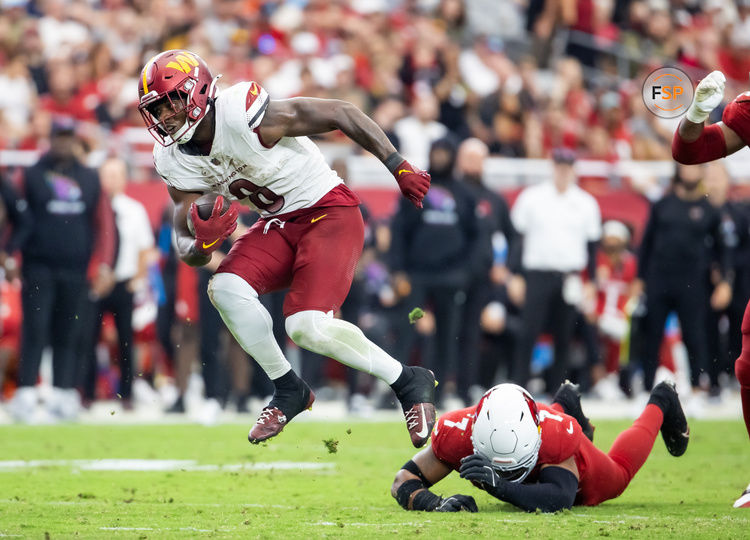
<point>425,500</point>
<point>393,161</point>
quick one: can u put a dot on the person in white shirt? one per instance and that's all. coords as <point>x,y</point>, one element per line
<point>135,239</point>
<point>559,225</point>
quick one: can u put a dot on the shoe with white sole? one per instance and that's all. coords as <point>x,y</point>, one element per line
<point>744,500</point>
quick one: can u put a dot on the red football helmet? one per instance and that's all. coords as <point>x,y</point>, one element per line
<point>182,80</point>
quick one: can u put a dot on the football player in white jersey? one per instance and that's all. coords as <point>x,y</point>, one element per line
<point>247,147</point>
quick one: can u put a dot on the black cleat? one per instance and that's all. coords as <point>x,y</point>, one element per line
<point>416,392</point>
<point>570,398</point>
<point>674,428</point>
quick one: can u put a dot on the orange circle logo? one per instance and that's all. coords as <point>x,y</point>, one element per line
<point>668,92</point>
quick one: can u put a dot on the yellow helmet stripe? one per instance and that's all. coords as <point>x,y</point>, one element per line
<point>145,84</point>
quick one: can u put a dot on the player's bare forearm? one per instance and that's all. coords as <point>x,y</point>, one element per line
<point>184,241</point>
<point>690,131</point>
<point>298,117</point>
<point>187,253</point>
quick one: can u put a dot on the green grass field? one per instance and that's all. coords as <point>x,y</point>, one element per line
<point>347,495</point>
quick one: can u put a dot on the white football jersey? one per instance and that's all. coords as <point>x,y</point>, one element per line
<point>286,177</point>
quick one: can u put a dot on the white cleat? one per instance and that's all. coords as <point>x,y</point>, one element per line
<point>744,500</point>
<point>208,413</point>
<point>23,405</point>
<point>64,404</point>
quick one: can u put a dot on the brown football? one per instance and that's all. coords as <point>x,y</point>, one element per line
<point>205,204</point>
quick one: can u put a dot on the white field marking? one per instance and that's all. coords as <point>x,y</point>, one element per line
<point>192,529</point>
<point>177,503</point>
<point>358,524</point>
<point>160,465</point>
<point>396,524</point>
<point>620,516</point>
<point>126,528</point>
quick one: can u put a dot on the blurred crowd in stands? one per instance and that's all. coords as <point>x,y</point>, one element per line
<point>452,83</point>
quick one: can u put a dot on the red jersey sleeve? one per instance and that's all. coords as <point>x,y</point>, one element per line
<point>451,437</point>
<point>561,436</point>
<point>737,116</point>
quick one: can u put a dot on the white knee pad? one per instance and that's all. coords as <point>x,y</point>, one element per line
<point>319,332</point>
<point>311,330</point>
<point>229,290</point>
<point>249,322</point>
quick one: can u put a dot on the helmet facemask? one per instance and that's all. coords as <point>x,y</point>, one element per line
<point>179,101</point>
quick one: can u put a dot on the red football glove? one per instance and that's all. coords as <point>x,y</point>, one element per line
<point>413,182</point>
<point>211,233</point>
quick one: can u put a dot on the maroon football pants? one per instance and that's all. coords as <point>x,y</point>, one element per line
<point>314,253</point>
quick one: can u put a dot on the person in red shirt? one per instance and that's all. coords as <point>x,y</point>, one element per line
<point>694,142</point>
<point>534,456</point>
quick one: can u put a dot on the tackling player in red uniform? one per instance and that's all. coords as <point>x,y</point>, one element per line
<point>247,147</point>
<point>534,456</point>
<point>694,142</point>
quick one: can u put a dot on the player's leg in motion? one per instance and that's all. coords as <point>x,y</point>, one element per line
<point>260,263</point>
<point>611,473</point>
<point>251,325</point>
<point>742,371</point>
<point>327,253</point>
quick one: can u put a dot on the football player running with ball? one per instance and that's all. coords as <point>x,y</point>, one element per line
<point>694,142</point>
<point>244,146</point>
<point>534,456</point>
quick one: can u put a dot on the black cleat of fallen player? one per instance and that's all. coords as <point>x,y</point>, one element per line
<point>674,427</point>
<point>288,401</point>
<point>570,398</point>
<point>415,389</point>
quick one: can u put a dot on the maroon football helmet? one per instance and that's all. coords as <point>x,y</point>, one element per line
<point>182,80</point>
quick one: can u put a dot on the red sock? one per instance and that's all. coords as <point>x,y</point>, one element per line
<point>632,446</point>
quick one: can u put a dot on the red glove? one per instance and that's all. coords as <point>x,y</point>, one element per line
<point>211,233</point>
<point>413,182</point>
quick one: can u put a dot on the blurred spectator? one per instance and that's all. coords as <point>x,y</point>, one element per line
<point>73,232</point>
<point>723,327</point>
<point>673,263</point>
<point>417,132</point>
<point>15,227</point>
<point>135,239</point>
<point>434,253</point>
<point>496,235</point>
<point>559,226</point>
<point>616,271</point>
<point>19,97</point>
